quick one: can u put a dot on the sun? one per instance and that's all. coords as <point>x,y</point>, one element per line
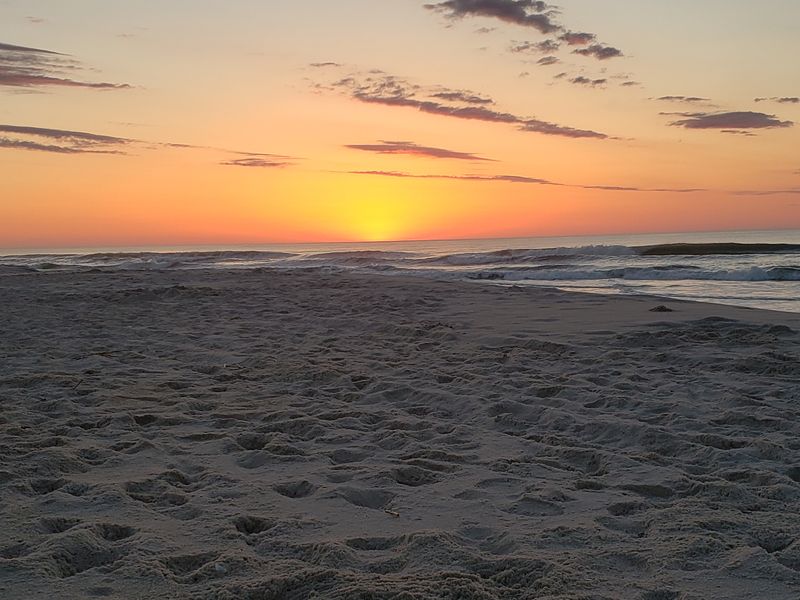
<point>377,211</point>
<point>353,208</point>
<point>377,220</point>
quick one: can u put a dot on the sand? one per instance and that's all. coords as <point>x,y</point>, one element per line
<point>270,435</point>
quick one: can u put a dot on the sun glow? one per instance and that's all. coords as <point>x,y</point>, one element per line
<point>360,208</point>
<point>377,220</point>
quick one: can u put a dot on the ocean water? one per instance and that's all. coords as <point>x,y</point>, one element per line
<point>759,269</point>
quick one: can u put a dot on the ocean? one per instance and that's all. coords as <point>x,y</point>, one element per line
<point>759,269</point>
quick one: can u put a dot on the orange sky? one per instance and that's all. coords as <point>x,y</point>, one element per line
<point>359,120</point>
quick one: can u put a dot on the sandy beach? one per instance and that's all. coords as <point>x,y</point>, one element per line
<point>261,435</point>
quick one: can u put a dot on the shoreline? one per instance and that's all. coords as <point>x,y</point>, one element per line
<point>321,271</point>
<point>276,434</point>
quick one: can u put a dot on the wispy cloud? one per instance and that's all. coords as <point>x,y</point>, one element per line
<point>525,13</point>
<point>546,61</point>
<point>740,132</point>
<point>577,38</point>
<point>506,178</point>
<point>388,90</point>
<point>17,144</point>
<point>462,96</point>
<point>412,149</point>
<point>23,67</point>
<point>791,191</point>
<point>684,99</point>
<point>736,120</point>
<point>518,179</point>
<point>68,142</point>
<point>599,51</point>
<point>532,14</point>
<point>543,47</point>
<point>780,100</point>
<point>526,180</point>
<point>586,81</point>
<point>255,163</point>
<point>64,141</point>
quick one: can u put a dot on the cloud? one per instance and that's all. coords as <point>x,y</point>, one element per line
<point>526,180</point>
<point>322,65</point>
<point>629,83</point>
<point>412,149</point>
<point>599,52</point>
<point>23,67</point>
<point>686,99</point>
<point>581,80</point>
<point>63,134</point>
<point>462,96</point>
<point>543,47</point>
<point>65,141</point>
<point>574,38</point>
<point>255,162</point>
<point>738,120</point>
<point>738,132</point>
<point>507,178</point>
<point>388,90</point>
<point>781,100</point>
<point>532,14</point>
<point>31,145</point>
<point>546,182</point>
<point>526,13</point>
<point>766,192</point>
<point>69,142</point>
<point>546,61</point>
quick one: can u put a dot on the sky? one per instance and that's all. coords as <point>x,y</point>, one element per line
<point>265,121</point>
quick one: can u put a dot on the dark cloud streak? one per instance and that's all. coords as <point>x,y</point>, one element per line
<point>81,142</point>
<point>686,99</point>
<point>780,100</point>
<point>735,120</point>
<point>388,90</point>
<point>586,81</point>
<point>460,96</point>
<point>599,52</point>
<point>526,180</point>
<point>412,149</point>
<point>526,13</point>
<point>544,47</point>
<point>255,163</point>
<point>24,67</point>
<point>573,38</point>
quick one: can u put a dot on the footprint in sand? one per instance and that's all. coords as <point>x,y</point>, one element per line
<point>530,506</point>
<point>250,525</point>
<point>295,489</point>
<point>51,525</point>
<point>413,476</point>
<point>193,568</point>
<point>366,498</point>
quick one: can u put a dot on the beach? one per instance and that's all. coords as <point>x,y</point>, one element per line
<point>269,434</point>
